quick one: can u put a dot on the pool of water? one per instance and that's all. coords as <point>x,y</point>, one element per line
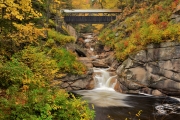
<point>146,104</point>
<point>111,105</point>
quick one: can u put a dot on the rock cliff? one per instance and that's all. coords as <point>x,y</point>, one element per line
<point>156,68</point>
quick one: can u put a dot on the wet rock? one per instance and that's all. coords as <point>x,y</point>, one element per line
<point>146,90</point>
<point>79,84</point>
<point>66,85</point>
<point>90,85</point>
<point>133,91</point>
<point>111,69</point>
<point>75,82</point>
<point>94,57</point>
<point>115,64</point>
<point>168,87</point>
<point>102,55</point>
<point>138,74</point>
<point>117,87</point>
<point>86,61</point>
<point>157,93</point>
<point>129,84</point>
<point>110,58</point>
<point>157,67</point>
<point>140,56</point>
<point>123,88</point>
<point>100,64</point>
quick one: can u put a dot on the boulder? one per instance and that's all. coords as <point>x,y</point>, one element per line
<point>157,93</point>
<point>86,61</point>
<point>117,87</point>
<point>167,86</point>
<point>100,64</point>
<point>90,85</point>
<point>110,58</point>
<point>75,82</point>
<point>157,67</point>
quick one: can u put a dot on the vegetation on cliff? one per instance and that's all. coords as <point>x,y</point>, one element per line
<point>140,24</point>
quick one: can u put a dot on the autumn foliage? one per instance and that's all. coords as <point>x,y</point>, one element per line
<point>32,52</point>
<point>149,23</point>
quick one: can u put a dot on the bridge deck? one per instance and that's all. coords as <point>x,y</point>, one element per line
<point>89,19</point>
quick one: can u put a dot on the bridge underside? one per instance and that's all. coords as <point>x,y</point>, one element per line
<point>89,19</point>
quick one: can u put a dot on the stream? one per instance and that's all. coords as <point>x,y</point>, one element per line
<point>112,105</point>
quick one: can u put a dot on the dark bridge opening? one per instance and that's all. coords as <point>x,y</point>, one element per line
<point>92,16</point>
<point>89,19</point>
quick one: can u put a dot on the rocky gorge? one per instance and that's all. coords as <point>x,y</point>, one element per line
<point>154,70</point>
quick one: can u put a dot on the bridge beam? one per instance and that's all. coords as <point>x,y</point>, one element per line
<point>89,19</point>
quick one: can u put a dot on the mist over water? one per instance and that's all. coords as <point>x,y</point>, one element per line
<point>104,97</point>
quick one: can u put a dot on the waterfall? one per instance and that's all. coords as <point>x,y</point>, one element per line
<point>103,79</point>
<point>103,94</point>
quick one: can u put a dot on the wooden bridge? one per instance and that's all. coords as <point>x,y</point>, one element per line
<point>94,16</point>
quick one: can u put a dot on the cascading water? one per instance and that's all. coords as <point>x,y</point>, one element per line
<point>103,94</point>
<point>103,79</point>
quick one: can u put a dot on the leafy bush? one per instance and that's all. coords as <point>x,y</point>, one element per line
<point>26,72</point>
<point>43,104</point>
<point>66,61</point>
<point>50,43</point>
<point>43,67</point>
<point>28,94</point>
<point>60,38</point>
<point>14,73</point>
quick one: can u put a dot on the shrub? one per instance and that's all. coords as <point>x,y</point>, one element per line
<point>60,38</point>
<point>43,67</point>
<point>13,73</point>
<point>28,94</point>
<point>66,61</point>
<point>50,43</point>
<point>44,104</point>
<point>171,32</point>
